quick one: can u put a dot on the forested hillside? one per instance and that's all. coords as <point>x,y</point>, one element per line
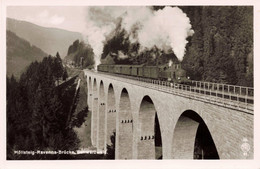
<point>38,110</point>
<point>221,49</point>
<point>80,54</point>
<point>20,53</point>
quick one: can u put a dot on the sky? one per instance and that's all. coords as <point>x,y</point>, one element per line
<point>68,18</point>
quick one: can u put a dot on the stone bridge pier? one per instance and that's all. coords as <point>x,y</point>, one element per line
<point>151,124</point>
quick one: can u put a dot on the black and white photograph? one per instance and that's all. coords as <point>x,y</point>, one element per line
<point>173,82</point>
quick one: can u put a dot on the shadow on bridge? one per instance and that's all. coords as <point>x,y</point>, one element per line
<point>192,139</point>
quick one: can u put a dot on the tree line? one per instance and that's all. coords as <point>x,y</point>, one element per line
<point>221,49</point>
<point>37,111</point>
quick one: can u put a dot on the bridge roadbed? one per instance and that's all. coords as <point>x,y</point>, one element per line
<point>234,101</point>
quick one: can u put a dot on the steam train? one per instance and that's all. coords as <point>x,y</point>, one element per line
<point>171,73</point>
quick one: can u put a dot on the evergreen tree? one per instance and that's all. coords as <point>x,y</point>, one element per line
<point>36,115</point>
<point>58,67</point>
<point>65,75</point>
<point>221,48</point>
<point>111,148</point>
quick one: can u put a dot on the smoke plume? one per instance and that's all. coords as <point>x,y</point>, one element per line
<point>100,22</point>
<point>166,29</point>
<point>121,55</point>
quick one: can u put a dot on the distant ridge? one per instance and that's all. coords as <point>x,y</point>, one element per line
<point>20,53</point>
<point>50,40</point>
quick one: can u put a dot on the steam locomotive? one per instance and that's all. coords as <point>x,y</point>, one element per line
<point>171,73</point>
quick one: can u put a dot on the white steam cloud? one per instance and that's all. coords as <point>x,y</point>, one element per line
<point>166,29</point>
<point>100,22</point>
<point>121,55</point>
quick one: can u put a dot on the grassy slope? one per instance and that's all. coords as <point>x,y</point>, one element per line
<point>85,130</point>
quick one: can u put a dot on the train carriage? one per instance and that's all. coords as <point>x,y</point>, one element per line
<point>111,68</point>
<point>134,70</point>
<point>151,72</point>
<point>154,72</point>
<point>140,71</point>
<point>118,69</point>
<point>126,69</point>
<point>105,68</point>
<point>137,70</point>
<point>171,73</point>
<point>102,68</point>
<point>99,68</point>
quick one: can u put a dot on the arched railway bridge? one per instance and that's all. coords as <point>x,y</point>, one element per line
<point>154,119</point>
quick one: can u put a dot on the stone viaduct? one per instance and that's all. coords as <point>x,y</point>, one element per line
<point>187,128</point>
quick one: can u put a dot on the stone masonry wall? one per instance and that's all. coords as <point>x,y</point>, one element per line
<point>229,128</point>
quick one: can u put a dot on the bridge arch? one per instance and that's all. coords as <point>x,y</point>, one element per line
<point>192,138</point>
<point>110,114</point>
<point>124,132</point>
<point>149,143</point>
<point>94,114</point>
<point>101,117</point>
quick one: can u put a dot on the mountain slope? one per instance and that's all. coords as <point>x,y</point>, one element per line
<point>20,53</point>
<point>50,40</point>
